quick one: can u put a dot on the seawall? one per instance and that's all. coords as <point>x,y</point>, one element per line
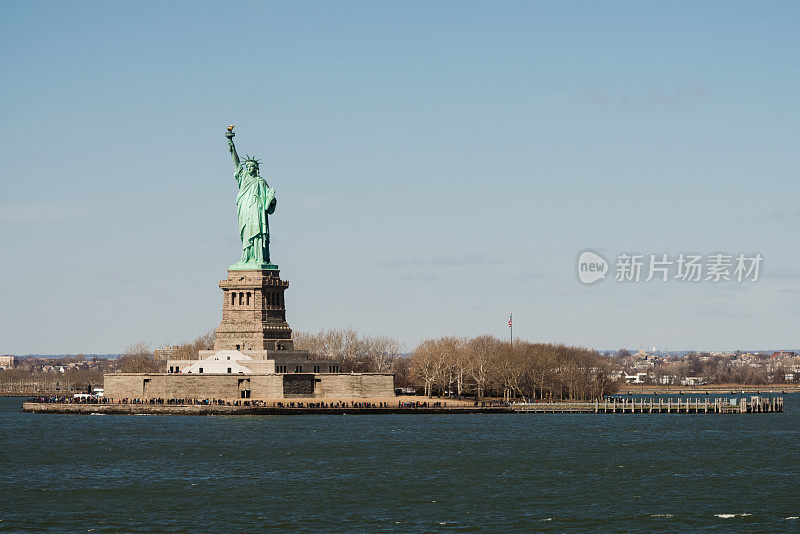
<point>212,409</point>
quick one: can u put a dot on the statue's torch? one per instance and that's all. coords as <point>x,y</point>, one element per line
<point>229,134</point>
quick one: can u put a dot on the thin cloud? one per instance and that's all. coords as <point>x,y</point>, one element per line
<point>724,289</point>
<point>392,263</point>
<point>597,96</point>
<point>779,215</point>
<point>441,261</point>
<point>656,96</point>
<point>525,277</point>
<point>468,259</point>
<point>782,273</point>
<point>40,211</point>
<point>420,277</point>
<point>717,309</point>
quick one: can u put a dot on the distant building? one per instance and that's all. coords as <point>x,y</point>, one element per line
<point>636,378</point>
<point>693,381</point>
<point>165,353</point>
<point>8,362</point>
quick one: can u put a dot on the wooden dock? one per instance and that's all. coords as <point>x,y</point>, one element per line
<point>754,404</point>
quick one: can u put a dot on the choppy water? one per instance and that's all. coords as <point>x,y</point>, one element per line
<point>400,473</point>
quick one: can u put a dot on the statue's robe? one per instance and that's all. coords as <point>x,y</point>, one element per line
<point>254,202</point>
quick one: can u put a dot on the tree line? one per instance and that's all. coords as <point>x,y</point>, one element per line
<point>487,366</point>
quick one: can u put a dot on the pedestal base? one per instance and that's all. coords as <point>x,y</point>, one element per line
<point>253,310</point>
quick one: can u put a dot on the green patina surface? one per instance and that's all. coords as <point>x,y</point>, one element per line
<point>254,203</point>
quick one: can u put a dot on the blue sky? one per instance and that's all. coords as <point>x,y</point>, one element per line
<point>438,165</point>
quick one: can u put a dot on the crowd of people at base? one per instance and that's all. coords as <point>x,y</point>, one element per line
<point>256,403</point>
<point>70,400</point>
<point>334,405</point>
<point>211,402</point>
<point>423,404</point>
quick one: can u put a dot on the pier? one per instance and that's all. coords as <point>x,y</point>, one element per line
<point>717,405</point>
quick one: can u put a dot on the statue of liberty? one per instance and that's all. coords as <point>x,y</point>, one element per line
<point>254,202</point>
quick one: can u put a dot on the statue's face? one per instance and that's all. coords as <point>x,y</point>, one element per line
<point>251,168</point>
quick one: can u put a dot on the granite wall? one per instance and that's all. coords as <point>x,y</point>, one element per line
<point>244,386</point>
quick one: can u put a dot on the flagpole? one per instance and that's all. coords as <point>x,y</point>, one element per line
<point>511,325</point>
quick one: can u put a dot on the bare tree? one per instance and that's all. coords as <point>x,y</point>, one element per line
<point>427,364</point>
<point>382,353</point>
<point>402,372</point>
<point>479,351</point>
<point>138,358</point>
<point>351,351</point>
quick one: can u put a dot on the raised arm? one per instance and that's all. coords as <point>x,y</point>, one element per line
<point>232,150</point>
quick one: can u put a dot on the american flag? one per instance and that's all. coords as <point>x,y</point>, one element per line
<point>509,321</point>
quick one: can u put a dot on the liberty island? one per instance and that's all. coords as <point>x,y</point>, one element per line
<point>254,358</point>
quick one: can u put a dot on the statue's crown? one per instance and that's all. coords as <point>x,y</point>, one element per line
<point>251,158</point>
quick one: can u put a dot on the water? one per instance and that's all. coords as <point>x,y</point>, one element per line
<point>400,473</point>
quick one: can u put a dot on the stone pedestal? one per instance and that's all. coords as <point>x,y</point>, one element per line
<point>253,312</point>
